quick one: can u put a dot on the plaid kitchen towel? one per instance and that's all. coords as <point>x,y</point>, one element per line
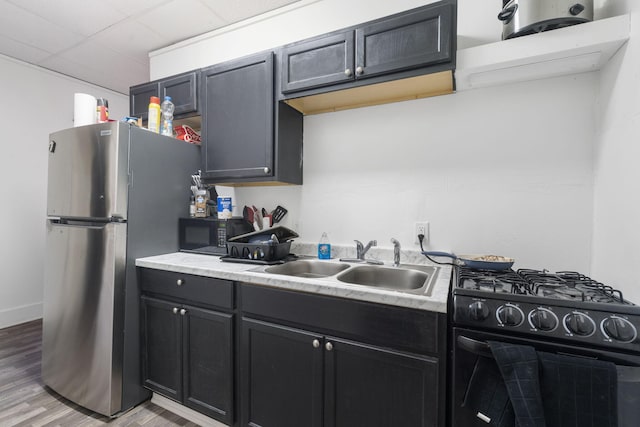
<point>579,392</point>
<point>518,365</point>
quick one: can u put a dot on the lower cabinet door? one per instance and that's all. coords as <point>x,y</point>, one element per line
<point>281,375</point>
<point>376,387</point>
<point>208,362</point>
<point>161,347</point>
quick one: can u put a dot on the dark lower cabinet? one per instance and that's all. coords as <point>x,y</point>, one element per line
<point>372,386</point>
<point>188,356</point>
<point>281,375</point>
<point>291,377</point>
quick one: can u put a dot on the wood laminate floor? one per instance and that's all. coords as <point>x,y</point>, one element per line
<point>26,401</point>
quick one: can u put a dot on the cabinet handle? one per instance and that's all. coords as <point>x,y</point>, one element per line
<point>266,170</point>
<point>175,310</point>
<point>328,346</point>
<point>348,72</point>
<point>316,343</point>
<point>179,282</point>
<point>183,312</point>
<point>359,71</point>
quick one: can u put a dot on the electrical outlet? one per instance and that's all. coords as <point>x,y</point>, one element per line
<point>421,228</point>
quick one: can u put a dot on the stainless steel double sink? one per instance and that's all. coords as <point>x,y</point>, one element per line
<point>415,279</point>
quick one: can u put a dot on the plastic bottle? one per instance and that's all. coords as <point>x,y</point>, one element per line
<point>324,247</point>
<point>154,114</point>
<point>167,109</point>
<point>192,206</point>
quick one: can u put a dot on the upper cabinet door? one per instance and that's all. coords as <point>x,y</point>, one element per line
<point>412,40</point>
<point>139,99</point>
<point>183,92</point>
<point>238,119</point>
<point>317,62</point>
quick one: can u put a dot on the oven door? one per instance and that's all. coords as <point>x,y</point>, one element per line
<point>469,346</point>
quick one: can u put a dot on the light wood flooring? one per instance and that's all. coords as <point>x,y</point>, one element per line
<point>26,401</point>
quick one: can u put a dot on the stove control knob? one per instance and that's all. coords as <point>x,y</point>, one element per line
<point>510,315</point>
<point>543,319</point>
<point>579,324</point>
<point>619,329</point>
<point>478,310</point>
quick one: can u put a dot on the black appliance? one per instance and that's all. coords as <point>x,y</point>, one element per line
<point>209,236</point>
<point>564,313</point>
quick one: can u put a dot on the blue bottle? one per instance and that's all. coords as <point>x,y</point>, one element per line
<point>324,247</point>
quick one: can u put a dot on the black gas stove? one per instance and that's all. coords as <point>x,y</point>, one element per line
<point>565,306</point>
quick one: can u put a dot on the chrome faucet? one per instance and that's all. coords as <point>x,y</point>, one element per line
<point>362,250</point>
<point>396,252</point>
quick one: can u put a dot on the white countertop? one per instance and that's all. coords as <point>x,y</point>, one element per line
<point>212,266</point>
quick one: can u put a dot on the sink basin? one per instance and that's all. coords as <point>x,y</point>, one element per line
<point>414,278</point>
<point>307,268</point>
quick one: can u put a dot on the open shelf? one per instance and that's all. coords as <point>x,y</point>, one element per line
<point>576,49</point>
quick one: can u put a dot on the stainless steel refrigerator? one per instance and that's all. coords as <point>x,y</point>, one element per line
<point>115,193</point>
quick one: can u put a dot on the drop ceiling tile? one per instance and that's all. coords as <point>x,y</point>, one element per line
<point>83,17</point>
<point>100,65</point>
<point>33,30</point>
<point>133,8</point>
<point>234,11</point>
<point>16,49</point>
<point>181,19</point>
<point>131,38</point>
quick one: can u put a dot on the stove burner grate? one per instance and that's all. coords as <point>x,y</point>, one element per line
<point>570,285</point>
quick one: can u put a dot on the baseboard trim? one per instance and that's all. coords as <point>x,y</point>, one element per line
<point>185,412</point>
<point>17,315</point>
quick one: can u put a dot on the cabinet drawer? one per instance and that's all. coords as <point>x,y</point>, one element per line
<point>195,289</point>
<point>418,331</point>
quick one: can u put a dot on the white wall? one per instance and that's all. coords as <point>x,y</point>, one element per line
<point>35,102</point>
<point>616,248</point>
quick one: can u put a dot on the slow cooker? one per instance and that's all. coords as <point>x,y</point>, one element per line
<point>522,17</point>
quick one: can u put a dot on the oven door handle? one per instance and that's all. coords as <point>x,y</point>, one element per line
<point>480,348</point>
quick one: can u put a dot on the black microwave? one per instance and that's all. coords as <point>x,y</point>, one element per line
<point>209,236</point>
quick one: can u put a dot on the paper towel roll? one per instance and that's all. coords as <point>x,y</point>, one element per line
<point>84,109</point>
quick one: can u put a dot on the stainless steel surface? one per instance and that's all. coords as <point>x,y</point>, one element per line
<point>415,279</point>
<point>532,16</point>
<point>362,250</point>
<point>315,343</point>
<point>179,282</point>
<point>183,312</point>
<point>175,310</point>
<point>85,273</point>
<point>348,72</point>
<point>307,268</point>
<point>103,184</point>
<point>266,170</point>
<point>88,175</point>
<point>328,346</point>
<point>396,252</point>
<point>359,70</point>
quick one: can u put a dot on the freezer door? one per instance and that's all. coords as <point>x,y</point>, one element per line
<point>83,313</point>
<point>88,171</point>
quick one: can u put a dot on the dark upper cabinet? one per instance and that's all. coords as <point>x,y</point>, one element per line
<point>411,40</point>
<point>319,62</point>
<point>247,136</point>
<point>139,99</point>
<point>182,88</point>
